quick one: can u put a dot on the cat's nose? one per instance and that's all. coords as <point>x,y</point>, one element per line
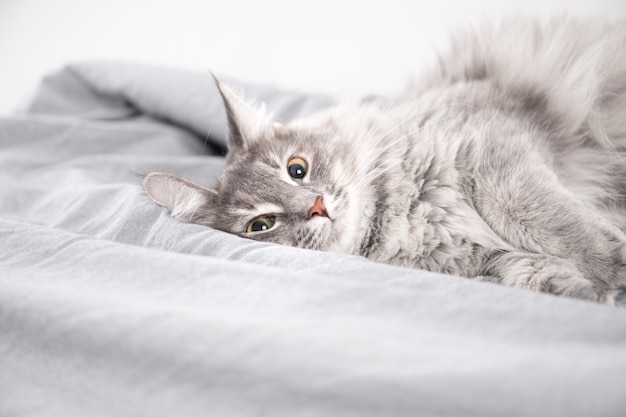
<point>318,208</point>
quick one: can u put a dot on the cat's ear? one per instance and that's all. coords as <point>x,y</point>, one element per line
<point>184,199</point>
<point>245,123</point>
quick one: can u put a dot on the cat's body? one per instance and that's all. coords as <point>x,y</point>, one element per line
<point>507,163</point>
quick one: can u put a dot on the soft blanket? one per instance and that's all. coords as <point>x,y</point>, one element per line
<point>109,307</point>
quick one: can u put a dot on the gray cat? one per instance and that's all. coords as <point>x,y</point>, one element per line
<point>506,163</point>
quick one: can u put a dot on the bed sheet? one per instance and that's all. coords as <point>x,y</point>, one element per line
<point>108,306</point>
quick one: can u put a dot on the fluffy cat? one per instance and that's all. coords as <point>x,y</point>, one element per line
<point>507,162</point>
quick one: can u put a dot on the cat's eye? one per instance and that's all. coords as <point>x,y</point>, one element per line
<point>297,168</point>
<point>261,224</point>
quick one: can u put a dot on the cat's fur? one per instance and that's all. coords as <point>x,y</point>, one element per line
<point>507,162</point>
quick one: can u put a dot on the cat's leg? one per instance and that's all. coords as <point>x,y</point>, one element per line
<point>544,273</point>
<point>526,205</point>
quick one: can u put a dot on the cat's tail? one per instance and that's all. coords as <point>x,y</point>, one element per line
<point>576,67</point>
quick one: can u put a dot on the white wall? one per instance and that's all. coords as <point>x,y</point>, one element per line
<point>329,46</point>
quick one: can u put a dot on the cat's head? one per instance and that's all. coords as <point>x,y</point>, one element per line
<point>289,184</point>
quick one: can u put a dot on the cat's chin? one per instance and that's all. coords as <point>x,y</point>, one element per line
<point>342,221</point>
<point>328,220</point>
<point>321,219</point>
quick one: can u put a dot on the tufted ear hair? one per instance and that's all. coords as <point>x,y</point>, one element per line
<point>245,123</point>
<point>184,199</point>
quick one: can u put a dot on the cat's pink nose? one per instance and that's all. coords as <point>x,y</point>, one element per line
<point>318,208</point>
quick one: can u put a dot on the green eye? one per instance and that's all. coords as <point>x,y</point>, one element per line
<point>261,224</point>
<point>297,168</point>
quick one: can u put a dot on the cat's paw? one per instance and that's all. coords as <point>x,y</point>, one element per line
<point>580,288</point>
<point>615,298</point>
<point>549,274</point>
<point>584,289</point>
<point>559,277</point>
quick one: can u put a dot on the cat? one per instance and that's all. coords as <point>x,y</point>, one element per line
<point>505,163</point>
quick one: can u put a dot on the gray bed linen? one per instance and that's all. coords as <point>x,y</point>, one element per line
<point>109,307</point>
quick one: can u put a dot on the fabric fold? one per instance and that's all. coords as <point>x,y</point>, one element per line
<point>110,307</point>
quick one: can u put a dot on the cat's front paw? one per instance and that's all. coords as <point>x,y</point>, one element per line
<point>584,289</point>
<point>580,288</point>
<point>549,274</point>
<point>616,298</point>
<point>557,276</point>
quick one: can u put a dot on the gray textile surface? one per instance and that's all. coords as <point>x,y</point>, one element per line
<point>109,307</point>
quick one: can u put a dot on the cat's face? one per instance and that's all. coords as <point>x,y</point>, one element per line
<point>280,184</point>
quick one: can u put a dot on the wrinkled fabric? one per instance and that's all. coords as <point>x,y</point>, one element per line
<point>109,307</point>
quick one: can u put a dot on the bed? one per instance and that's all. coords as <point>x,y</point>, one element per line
<point>109,307</point>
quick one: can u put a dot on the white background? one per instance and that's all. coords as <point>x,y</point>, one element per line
<point>337,47</point>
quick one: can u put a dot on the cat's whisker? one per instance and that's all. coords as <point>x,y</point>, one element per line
<point>206,138</point>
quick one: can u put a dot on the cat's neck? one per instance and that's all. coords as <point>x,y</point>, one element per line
<point>418,163</point>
